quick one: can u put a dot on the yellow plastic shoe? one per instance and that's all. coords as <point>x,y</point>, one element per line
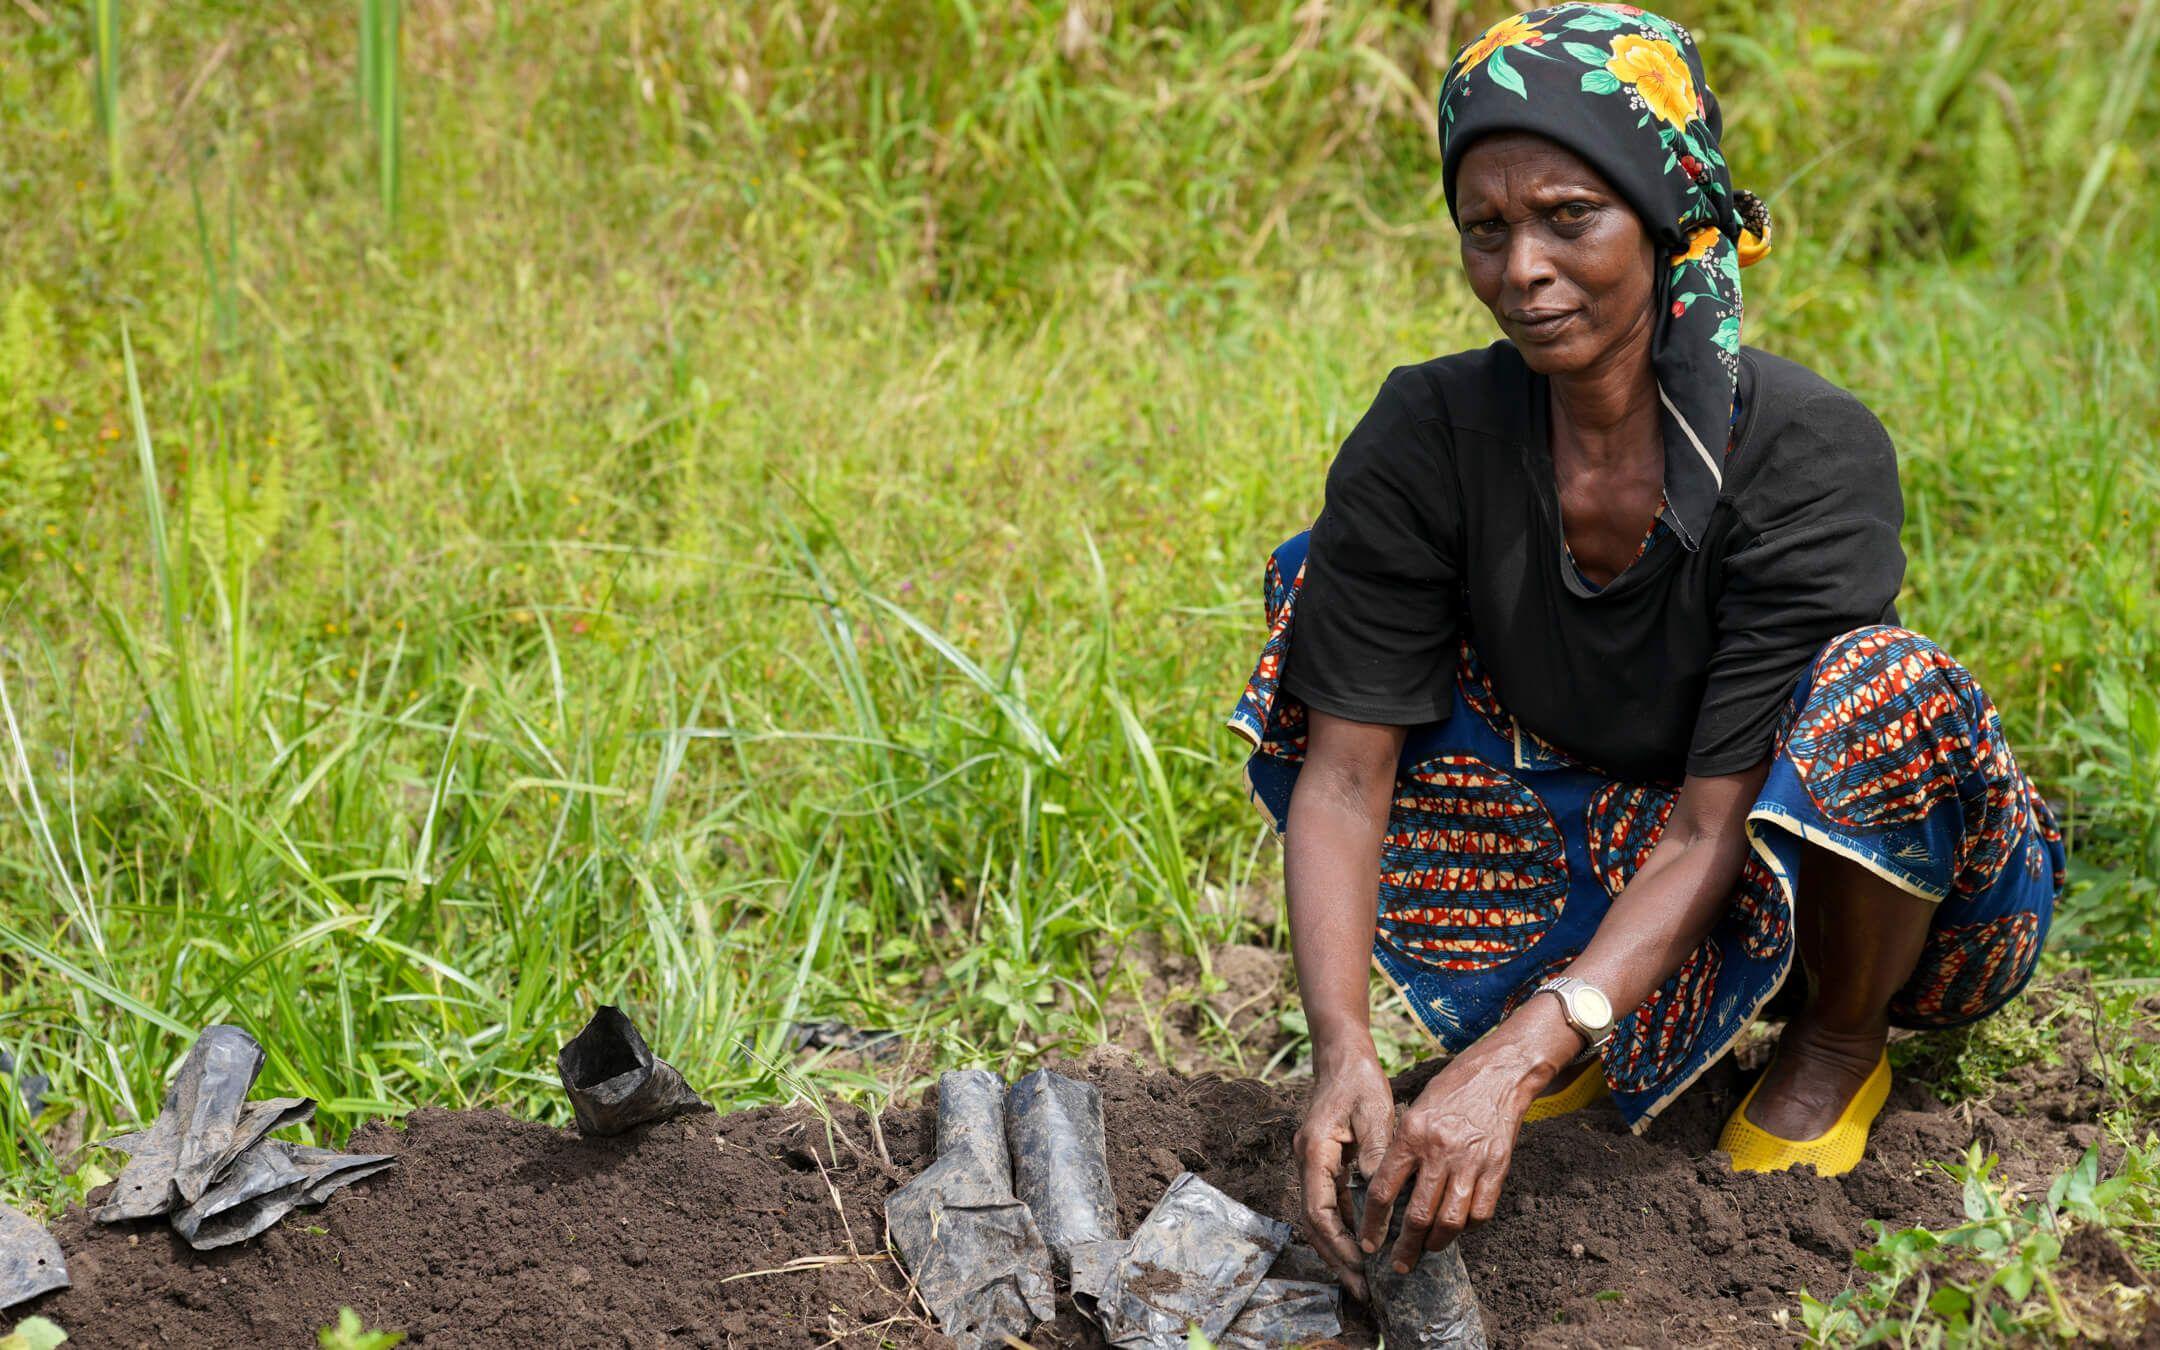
<point>1588,1086</point>
<point>1834,1152</point>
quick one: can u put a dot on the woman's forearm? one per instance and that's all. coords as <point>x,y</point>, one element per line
<point>1674,900</point>
<point>1331,871</point>
<point>1333,884</point>
<point>1659,917</point>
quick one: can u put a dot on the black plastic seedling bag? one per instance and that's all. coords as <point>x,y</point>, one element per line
<point>1061,1169</point>
<point>614,1080</point>
<point>1193,1262</point>
<point>30,1261</point>
<point>1284,1313</point>
<point>1091,1265</point>
<point>972,1248</point>
<point>971,1120</point>
<point>1432,1307</point>
<point>265,1184</point>
<point>197,1132</point>
<point>207,1162</point>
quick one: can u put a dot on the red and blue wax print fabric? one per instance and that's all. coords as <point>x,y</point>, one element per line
<point>1503,853</point>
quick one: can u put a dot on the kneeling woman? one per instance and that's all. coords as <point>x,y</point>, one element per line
<point>1589,674</point>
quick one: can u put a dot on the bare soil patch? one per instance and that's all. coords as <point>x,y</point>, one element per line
<point>765,1228</point>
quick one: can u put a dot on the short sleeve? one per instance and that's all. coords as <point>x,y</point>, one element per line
<point>1819,557</point>
<point>1379,615</point>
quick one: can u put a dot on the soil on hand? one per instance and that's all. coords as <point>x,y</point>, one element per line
<point>765,1228</point>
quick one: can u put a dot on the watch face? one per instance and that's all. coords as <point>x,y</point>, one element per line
<point>1592,1008</point>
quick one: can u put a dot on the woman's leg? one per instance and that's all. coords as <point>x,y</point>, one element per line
<point>1860,938</point>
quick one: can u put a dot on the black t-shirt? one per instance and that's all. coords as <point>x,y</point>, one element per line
<point>1442,518</point>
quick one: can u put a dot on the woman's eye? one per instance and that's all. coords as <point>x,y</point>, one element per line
<point>1486,229</point>
<point>1572,213</point>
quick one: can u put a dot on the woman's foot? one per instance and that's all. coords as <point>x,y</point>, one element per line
<point>1813,1077</point>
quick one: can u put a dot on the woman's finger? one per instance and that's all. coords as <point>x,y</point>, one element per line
<point>1395,1169</point>
<point>1324,1216</point>
<point>1454,1213</point>
<point>1346,1209</point>
<point>1487,1200</point>
<point>1418,1217</point>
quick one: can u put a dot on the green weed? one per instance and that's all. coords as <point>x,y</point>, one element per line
<point>34,1333</point>
<point>1997,1278</point>
<point>350,1333</point>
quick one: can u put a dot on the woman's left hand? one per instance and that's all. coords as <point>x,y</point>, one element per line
<point>1453,1145</point>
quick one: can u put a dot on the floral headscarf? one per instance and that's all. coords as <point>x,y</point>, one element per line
<point>1624,89</point>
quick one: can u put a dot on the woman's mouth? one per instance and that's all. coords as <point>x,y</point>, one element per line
<point>1540,325</point>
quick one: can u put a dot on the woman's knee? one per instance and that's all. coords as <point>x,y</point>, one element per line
<point>1884,679</point>
<point>1884,654</point>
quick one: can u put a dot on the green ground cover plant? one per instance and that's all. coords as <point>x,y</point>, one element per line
<point>754,512</point>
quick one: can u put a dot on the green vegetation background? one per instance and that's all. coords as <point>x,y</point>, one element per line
<point>754,511</point>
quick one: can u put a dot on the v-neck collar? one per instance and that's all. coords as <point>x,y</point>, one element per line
<point>1536,446</point>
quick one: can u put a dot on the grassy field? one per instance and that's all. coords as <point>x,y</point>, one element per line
<point>755,511</point>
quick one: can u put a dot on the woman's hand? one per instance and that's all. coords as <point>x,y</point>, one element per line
<point>1347,1122</point>
<point>1454,1144</point>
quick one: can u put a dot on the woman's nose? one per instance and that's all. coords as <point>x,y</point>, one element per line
<point>1529,262</point>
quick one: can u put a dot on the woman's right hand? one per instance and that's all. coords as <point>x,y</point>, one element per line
<point>1348,1121</point>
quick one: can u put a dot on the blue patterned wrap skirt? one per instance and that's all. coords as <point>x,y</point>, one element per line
<point>1503,853</point>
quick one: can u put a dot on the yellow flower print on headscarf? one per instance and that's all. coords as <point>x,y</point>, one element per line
<point>1509,32</point>
<point>1658,73</point>
<point>1701,242</point>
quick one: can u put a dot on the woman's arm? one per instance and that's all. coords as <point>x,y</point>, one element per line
<point>1331,869</point>
<point>1457,1140</point>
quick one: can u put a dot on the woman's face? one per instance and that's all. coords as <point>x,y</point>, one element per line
<point>1552,250</point>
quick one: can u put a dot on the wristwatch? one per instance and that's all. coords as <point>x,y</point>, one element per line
<point>1586,1008</point>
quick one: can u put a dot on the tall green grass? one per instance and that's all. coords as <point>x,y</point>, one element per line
<point>380,103</point>
<point>777,539</point>
<point>105,31</point>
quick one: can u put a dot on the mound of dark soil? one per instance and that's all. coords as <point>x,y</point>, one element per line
<point>765,1228</point>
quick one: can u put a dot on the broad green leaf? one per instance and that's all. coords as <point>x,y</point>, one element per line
<point>1600,82</point>
<point>33,1333</point>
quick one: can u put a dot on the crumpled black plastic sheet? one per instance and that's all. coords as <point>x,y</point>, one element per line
<point>1060,1162</point>
<point>267,1183</point>
<point>172,1163</point>
<point>1284,1313</point>
<point>1431,1308</point>
<point>30,1261</point>
<point>1093,1263</point>
<point>830,1033</point>
<point>972,1248</point>
<point>614,1080</point>
<point>206,1162</point>
<point>1194,1262</point>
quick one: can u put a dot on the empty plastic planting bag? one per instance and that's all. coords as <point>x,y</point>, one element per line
<point>206,1162</point>
<point>614,1080</point>
<point>30,1262</point>
<point>1285,1312</point>
<point>974,1251</point>
<point>1432,1307</point>
<point>1195,1261</point>
<point>1061,1170</point>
